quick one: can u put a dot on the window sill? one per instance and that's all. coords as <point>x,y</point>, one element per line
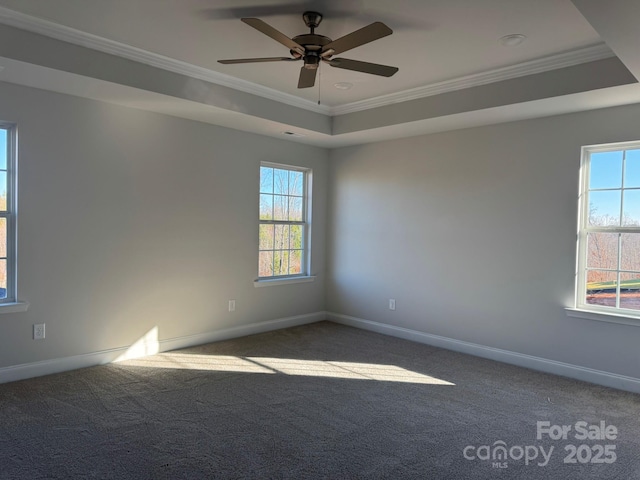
<point>13,307</point>
<point>283,281</point>
<point>603,316</point>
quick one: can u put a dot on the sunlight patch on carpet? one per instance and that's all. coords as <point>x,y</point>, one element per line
<point>182,361</point>
<point>285,366</point>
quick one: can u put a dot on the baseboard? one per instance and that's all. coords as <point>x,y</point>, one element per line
<point>58,365</point>
<point>577,372</point>
<point>240,331</point>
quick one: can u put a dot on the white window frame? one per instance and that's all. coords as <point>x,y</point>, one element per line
<point>307,185</point>
<point>582,308</point>
<point>10,216</point>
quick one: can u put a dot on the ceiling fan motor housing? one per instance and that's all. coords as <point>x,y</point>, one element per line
<point>312,44</point>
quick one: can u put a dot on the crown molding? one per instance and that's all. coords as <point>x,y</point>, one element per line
<point>77,37</point>
<point>553,62</point>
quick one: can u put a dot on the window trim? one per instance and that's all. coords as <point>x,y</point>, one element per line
<point>582,309</point>
<point>274,281</point>
<point>608,317</point>
<point>307,195</point>
<point>11,217</point>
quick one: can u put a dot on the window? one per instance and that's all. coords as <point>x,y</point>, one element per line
<point>284,221</point>
<point>7,213</point>
<point>609,235</point>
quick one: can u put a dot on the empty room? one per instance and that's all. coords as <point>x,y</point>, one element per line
<point>290,239</point>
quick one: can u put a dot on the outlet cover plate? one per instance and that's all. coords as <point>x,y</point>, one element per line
<point>38,331</point>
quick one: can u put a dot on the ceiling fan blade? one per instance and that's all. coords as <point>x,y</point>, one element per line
<point>269,31</point>
<point>354,39</point>
<point>365,67</point>
<point>257,60</point>
<point>307,77</point>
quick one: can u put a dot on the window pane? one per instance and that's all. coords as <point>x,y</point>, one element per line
<point>630,290</point>
<point>604,208</point>
<point>281,237</point>
<point>3,149</point>
<point>295,209</point>
<point>266,207</point>
<point>295,183</point>
<point>631,208</point>
<point>281,181</point>
<point>3,191</point>
<point>3,237</point>
<point>3,279</point>
<point>601,288</point>
<point>266,237</point>
<point>295,262</point>
<point>630,255</point>
<point>606,170</point>
<point>265,264</point>
<point>266,180</point>
<point>280,207</point>
<point>602,250</point>
<point>632,169</point>
<point>281,262</point>
<point>297,237</point>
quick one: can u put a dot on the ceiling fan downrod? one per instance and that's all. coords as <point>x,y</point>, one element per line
<point>312,20</point>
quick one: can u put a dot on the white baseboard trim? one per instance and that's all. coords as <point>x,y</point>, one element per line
<point>240,331</point>
<point>577,372</point>
<point>58,365</point>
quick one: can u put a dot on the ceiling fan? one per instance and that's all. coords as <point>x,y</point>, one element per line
<point>313,48</point>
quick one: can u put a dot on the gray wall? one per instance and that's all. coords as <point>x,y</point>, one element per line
<point>131,220</point>
<point>473,233</point>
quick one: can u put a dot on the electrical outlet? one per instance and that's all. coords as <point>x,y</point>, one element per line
<point>392,304</point>
<point>232,305</point>
<point>38,331</point>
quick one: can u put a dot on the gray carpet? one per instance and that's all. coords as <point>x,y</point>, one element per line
<point>318,401</point>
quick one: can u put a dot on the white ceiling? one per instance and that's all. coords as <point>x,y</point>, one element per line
<point>440,46</point>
